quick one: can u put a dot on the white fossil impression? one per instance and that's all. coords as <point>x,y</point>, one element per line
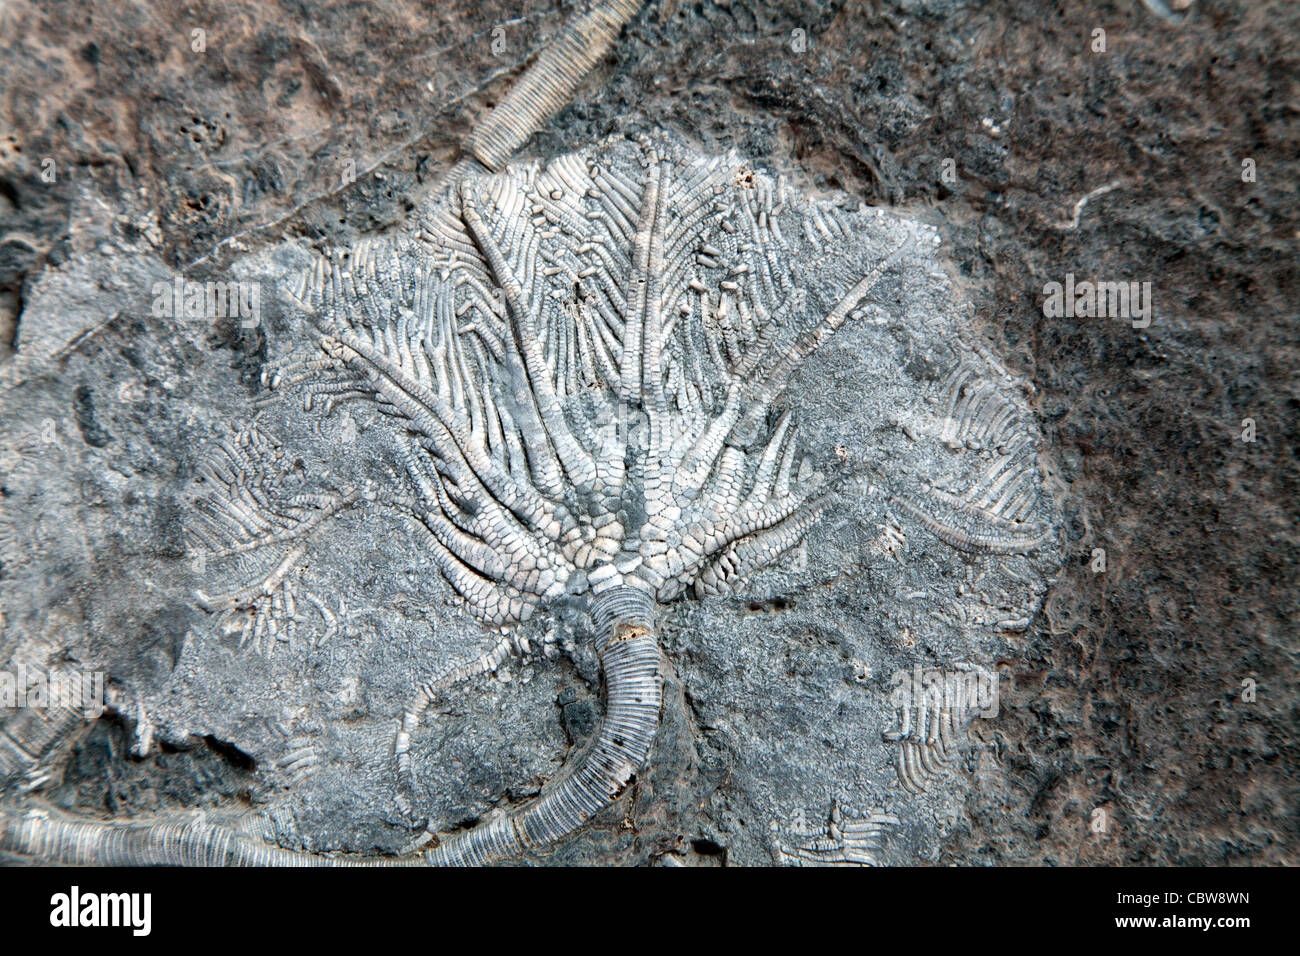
<point>586,363</point>
<point>587,357</point>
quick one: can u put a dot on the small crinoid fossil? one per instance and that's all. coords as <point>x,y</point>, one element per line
<point>586,359</point>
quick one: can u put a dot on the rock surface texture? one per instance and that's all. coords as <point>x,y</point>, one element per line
<point>704,483</point>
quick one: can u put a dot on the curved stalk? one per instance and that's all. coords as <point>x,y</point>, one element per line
<point>625,627</point>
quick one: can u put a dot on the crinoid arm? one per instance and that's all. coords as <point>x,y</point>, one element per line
<point>246,515</point>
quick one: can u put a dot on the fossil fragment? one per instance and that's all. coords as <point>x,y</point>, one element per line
<point>28,740</point>
<point>169,841</point>
<point>933,711</point>
<point>998,512</point>
<point>23,457</point>
<point>549,82</point>
<point>246,508</point>
<point>846,840</point>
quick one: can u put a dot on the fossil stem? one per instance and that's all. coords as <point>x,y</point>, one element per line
<point>52,839</point>
<point>625,627</point>
<point>550,81</point>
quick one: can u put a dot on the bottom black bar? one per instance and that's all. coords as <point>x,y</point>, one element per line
<point>927,905</point>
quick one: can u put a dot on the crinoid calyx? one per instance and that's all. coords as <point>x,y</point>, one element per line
<point>587,360</point>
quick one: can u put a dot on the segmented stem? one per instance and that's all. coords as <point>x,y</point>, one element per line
<point>55,840</point>
<point>625,625</point>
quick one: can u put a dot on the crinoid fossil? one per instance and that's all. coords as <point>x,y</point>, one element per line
<point>600,390</point>
<point>587,359</point>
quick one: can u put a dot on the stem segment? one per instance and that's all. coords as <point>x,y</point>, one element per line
<point>625,627</point>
